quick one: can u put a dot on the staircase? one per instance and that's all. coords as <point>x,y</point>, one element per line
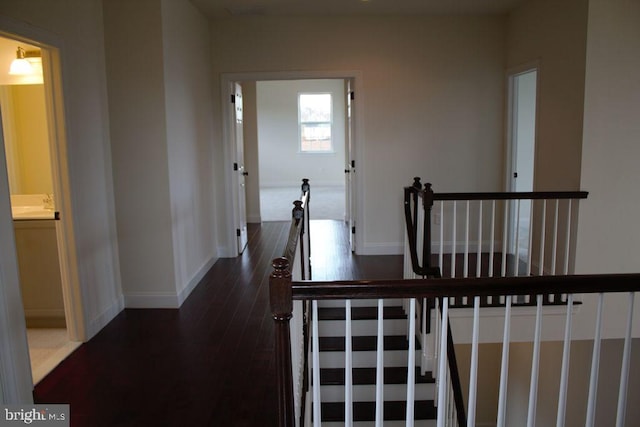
<point>331,328</point>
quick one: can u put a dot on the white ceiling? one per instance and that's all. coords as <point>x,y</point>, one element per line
<point>225,8</point>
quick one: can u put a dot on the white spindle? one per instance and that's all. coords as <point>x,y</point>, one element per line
<point>380,366</point>
<point>479,256</point>
<point>411,364</point>
<point>454,239</point>
<point>624,371</point>
<point>504,369</point>
<point>492,237</point>
<point>315,353</point>
<point>595,366</point>
<point>466,242</point>
<point>348,362</point>
<point>543,229</point>
<point>442,365</point>
<point>505,244</point>
<point>567,244</point>
<point>535,364</point>
<point>423,334</point>
<point>530,243</point>
<point>441,253</point>
<point>516,267</point>
<point>473,373</point>
<point>564,374</point>
<point>554,248</point>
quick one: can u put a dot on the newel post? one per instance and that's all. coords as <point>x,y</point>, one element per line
<point>281,310</point>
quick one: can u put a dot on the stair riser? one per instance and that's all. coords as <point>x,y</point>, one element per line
<point>336,328</point>
<point>367,393</point>
<point>365,359</point>
<point>360,303</point>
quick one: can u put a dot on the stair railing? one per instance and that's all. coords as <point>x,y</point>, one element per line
<point>525,220</point>
<point>292,344</point>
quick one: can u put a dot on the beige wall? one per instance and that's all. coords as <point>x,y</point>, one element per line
<point>553,35</point>
<point>520,357</point>
<point>608,235</point>
<point>431,101</point>
<point>30,141</point>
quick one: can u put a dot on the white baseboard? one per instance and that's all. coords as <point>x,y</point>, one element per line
<point>380,249</point>
<point>195,280</point>
<point>95,325</point>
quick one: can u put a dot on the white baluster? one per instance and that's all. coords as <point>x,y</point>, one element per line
<point>492,237</point>
<point>554,248</point>
<point>543,229</point>
<point>442,365</point>
<point>505,244</point>
<point>624,371</point>
<point>315,353</point>
<point>595,366</point>
<point>380,366</point>
<point>535,363</point>
<point>516,267</point>
<point>466,243</point>
<point>441,253</point>
<point>473,374</point>
<point>567,244</point>
<point>504,369</point>
<point>530,244</point>
<point>564,374</point>
<point>411,364</point>
<point>348,383</point>
<point>454,239</point>
<point>479,256</point>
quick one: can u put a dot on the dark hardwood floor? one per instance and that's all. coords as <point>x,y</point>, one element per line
<point>209,363</point>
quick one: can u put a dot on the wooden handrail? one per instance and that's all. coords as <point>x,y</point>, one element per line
<point>458,287</point>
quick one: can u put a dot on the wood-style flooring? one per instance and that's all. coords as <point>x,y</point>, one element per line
<point>209,363</point>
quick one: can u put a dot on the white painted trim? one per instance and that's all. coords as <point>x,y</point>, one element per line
<point>195,281</point>
<point>254,219</point>
<point>381,249</point>
<point>106,316</point>
<point>151,300</point>
<point>226,250</point>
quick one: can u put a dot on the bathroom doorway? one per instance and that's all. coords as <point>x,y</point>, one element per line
<point>31,130</point>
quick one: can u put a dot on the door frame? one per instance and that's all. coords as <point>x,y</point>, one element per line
<point>15,370</point>
<point>229,149</point>
<point>510,140</point>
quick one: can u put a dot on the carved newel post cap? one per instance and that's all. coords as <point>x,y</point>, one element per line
<point>280,294</point>
<point>297,210</point>
<point>305,184</point>
<point>416,182</point>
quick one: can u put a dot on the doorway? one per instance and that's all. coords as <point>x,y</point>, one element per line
<point>31,143</point>
<point>301,132</point>
<point>521,167</point>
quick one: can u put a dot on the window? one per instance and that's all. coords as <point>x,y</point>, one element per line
<point>314,112</point>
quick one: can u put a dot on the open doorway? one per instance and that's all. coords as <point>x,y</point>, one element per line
<point>301,134</point>
<point>31,144</point>
<point>522,143</point>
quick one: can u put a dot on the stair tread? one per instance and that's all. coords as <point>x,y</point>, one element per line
<point>362,376</point>
<point>365,343</point>
<point>360,313</point>
<point>366,411</point>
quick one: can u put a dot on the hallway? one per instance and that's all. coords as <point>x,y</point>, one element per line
<point>209,363</point>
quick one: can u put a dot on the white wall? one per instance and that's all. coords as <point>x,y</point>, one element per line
<point>281,162</point>
<point>160,110</point>
<point>75,27</point>
<point>188,109</point>
<point>431,99</point>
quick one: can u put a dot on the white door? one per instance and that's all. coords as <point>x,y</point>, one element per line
<point>522,94</point>
<point>350,169</point>
<point>238,169</point>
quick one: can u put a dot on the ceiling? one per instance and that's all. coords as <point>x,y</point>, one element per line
<point>226,8</point>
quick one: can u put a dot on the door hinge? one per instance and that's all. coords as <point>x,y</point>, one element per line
<point>235,166</point>
<point>353,230</point>
<point>353,163</point>
<point>515,174</point>
<point>238,232</point>
<point>233,99</point>
<point>352,95</point>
